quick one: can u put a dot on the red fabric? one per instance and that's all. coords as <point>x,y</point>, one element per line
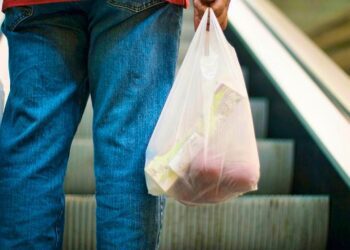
<point>13,3</point>
<point>184,3</point>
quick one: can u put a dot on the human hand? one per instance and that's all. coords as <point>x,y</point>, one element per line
<point>220,8</point>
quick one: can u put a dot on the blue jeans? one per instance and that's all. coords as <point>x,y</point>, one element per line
<point>121,52</point>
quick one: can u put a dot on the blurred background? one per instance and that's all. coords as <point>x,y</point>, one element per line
<point>326,22</point>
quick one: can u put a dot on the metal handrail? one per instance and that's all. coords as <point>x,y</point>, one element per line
<point>328,125</point>
<point>333,81</point>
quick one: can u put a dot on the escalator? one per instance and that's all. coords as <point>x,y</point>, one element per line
<point>303,200</point>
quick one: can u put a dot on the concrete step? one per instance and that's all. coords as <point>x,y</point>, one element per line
<point>276,158</point>
<point>251,222</point>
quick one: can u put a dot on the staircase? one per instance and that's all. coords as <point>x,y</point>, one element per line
<point>270,218</point>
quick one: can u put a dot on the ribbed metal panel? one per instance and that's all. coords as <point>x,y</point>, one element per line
<point>259,108</point>
<point>80,178</point>
<point>85,127</point>
<point>260,112</point>
<point>276,158</point>
<point>252,222</point>
<point>276,166</point>
<point>80,223</point>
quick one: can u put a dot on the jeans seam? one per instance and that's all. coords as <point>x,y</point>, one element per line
<point>58,223</point>
<point>160,217</point>
<point>135,9</point>
<point>27,12</point>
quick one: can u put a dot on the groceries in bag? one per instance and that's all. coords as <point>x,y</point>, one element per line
<point>203,149</point>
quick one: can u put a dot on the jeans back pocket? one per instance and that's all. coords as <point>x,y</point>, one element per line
<point>135,5</point>
<point>14,16</point>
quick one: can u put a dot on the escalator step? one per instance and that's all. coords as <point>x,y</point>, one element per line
<point>187,31</point>
<point>184,45</point>
<point>276,166</point>
<point>261,222</point>
<point>188,15</point>
<point>80,178</point>
<point>80,223</point>
<point>187,34</point>
<point>260,113</point>
<point>276,158</point>
<point>259,107</point>
<point>251,222</point>
<point>85,126</point>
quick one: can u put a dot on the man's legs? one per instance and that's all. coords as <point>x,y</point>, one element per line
<point>132,63</point>
<point>48,55</point>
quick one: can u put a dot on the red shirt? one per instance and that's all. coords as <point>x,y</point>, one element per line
<point>13,3</point>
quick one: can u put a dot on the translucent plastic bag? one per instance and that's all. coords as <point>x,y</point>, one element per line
<point>203,149</point>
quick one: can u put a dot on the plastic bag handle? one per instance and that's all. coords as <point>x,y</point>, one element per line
<point>208,21</point>
<point>206,48</point>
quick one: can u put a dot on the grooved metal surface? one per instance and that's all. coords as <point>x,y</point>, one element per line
<point>80,178</point>
<point>251,222</point>
<point>259,107</point>
<point>85,127</point>
<point>260,113</point>
<point>80,223</point>
<point>276,160</point>
<point>276,166</point>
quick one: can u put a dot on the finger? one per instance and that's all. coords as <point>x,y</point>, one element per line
<point>223,19</point>
<point>197,19</point>
<point>219,7</point>
<point>207,2</point>
<point>196,23</point>
<point>224,24</point>
<point>199,10</point>
<point>199,7</point>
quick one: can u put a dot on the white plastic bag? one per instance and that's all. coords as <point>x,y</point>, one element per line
<point>203,149</point>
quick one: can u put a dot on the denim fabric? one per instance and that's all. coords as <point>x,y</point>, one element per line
<point>122,53</point>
